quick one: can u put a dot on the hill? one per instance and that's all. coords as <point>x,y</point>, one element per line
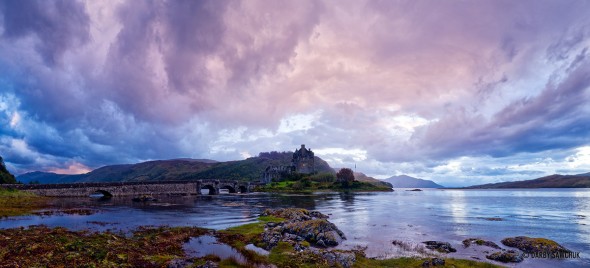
<point>177,169</point>
<point>552,181</point>
<point>5,176</point>
<point>364,178</point>
<point>404,181</point>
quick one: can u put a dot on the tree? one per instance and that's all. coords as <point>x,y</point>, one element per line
<point>5,176</point>
<point>345,176</point>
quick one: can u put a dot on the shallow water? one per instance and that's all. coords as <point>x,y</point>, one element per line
<point>208,245</point>
<point>368,219</point>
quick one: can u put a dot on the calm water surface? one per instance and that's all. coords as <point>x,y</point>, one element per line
<point>368,219</point>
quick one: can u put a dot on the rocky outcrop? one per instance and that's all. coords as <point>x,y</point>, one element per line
<point>480,242</point>
<point>534,245</point>
<point>334,258</point>
<point>300,226</point>
<point>443,247</point>
<point>294,214</point>
<point>505,256</point>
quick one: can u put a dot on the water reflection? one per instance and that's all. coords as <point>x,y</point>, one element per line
<point>208,245</point>
<point>367,219</point>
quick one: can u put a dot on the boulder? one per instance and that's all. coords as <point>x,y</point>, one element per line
<point>434,262</point>
<point>294,214</point>
<point>443,247</point>
<point>480,242</point>
<point>534,245</point>
<point>505,256</point>
<point>300,225</point>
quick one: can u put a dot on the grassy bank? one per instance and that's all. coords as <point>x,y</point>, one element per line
<point>311,186</point>
<point>16,203</point>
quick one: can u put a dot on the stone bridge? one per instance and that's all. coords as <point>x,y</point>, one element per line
<point>135,188</point>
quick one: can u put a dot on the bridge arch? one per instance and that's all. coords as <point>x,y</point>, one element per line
<point>211,189</point>
<point>230,188</point>
<point>243,189</point>
<point>103,192</point>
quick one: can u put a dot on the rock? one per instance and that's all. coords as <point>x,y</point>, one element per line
<point>480,242</point>
<point>184,263</point>
<point>437,261</point>
<point>333,258</point>
<point>434,262</point>
<point>414,190</point>
<point>491,219</point>
<point>301,225</point>
<point>534,245</point>
<point>505,256</point>
<point>443,247</point>
<point>314,231</point>
<point>294,214</point>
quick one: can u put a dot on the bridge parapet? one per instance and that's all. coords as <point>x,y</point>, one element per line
<point>132,188</point>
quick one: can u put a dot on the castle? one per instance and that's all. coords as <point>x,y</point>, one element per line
<point>303,162</point>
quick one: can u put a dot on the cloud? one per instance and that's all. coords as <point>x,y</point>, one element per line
<point>395,87</point>
<point>57,25</point>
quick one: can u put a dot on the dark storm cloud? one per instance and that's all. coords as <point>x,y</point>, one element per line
<point>60,25</point>
<point>409,85</point>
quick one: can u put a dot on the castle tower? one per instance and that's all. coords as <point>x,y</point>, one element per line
<point>303,160</point>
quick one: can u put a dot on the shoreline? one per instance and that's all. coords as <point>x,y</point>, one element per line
<point>339,219</point>
<point>164,246</point>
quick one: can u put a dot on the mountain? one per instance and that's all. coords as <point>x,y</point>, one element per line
<point>47,177</point>
<point>404,181</point>
<point>177,169</point>
<point>5,176</point>
<point>552,181</point>
<point>364,178</point>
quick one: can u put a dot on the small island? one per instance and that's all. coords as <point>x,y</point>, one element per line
<point>302,175</point>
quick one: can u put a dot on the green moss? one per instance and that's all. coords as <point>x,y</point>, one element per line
<point>281,255</point>
<point>266,219</point>
<point>41,247</point>
<point>247,229</point>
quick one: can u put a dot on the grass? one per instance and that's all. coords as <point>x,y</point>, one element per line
<point>309,186</point>
<point>40,246</point>
<point>17,203</point>
<point>238,237</point>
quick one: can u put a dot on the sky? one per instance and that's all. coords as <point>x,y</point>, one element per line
<point>459,92</point>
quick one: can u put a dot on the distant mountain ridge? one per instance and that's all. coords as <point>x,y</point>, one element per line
<point>404,181</point>
<point>176,169</point>
<point>364,178</point>
<point>551,181</point>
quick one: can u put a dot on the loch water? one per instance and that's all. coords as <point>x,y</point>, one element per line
<point>372,220</point>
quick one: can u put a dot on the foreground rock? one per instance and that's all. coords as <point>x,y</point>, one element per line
<point>433,262</point>
<point>534,245</point>
<point>480,242</point>
<point>300,225</point>
<point>505,256</point>
<point>443,247</point>
<point>333,258</point>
